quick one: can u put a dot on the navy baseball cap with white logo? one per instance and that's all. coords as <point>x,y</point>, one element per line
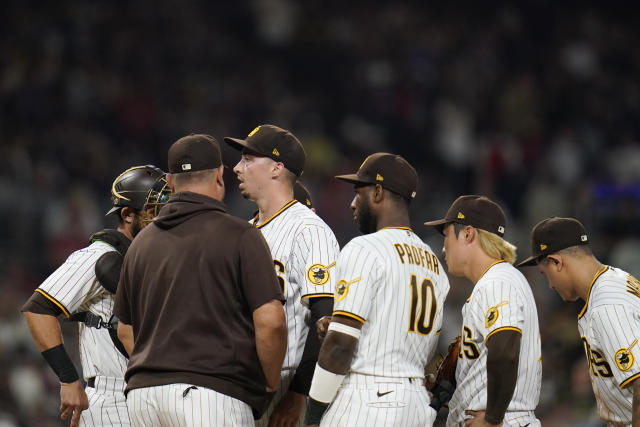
<point>391,171</point>
<point>552,235</point>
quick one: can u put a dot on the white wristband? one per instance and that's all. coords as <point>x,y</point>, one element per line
<point>342,328</point>
<point>324,385</point>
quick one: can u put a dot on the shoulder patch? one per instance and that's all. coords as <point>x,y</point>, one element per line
<point>624,357</point>
<point>633,285</point>
<point>492,314</point>
<point>342,288</point>
<point>318,274</point>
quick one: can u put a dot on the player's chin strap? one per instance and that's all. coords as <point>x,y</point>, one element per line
<point>94,321</point>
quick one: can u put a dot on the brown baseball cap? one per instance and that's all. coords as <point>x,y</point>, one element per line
<point>476,211</point>
<point>275,143</point>
<point>552,235</point>
<point>301,194</point>
<point>194,153</point>
<point>391,171</point>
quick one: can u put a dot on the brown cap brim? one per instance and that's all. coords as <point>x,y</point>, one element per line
<point>241,144</point>
<point>529,262</point>
<point>238,144</point>
<point>352,178</point>
<point>438,224</point>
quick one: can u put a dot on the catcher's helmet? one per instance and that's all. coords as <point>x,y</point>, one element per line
<point>140,187</point>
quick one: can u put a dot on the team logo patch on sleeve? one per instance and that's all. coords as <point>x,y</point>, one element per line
<point>492,314</point>
<point>633,286</point>
<point>342,288</point>
<point>318,274</point>
<point>624,357</point>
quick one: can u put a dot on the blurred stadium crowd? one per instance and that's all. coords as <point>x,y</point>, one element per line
<point>535,105</point>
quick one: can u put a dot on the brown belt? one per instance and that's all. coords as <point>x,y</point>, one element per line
<point>91,382</point>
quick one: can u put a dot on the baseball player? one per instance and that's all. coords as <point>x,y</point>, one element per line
<point>499,368</point>
<point>200,305</point>
<point>609,322</point>
<point>387,312</point>
<point>86,284</point>
<point>304,251</point>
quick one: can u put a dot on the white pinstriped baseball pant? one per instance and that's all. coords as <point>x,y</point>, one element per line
<point>513,419</point>
<point>367,400</point>
<point>178,405</point>
<point>107,404</point>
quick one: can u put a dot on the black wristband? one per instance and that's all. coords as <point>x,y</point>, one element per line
<point>493,420</point>
<point>314,413</point>
<point>61,364</point>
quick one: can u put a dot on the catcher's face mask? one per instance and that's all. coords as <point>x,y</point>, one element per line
<point>158,197</point>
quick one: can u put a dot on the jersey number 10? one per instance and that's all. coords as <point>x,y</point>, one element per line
<point>426,313</point>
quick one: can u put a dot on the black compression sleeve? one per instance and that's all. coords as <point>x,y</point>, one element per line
<point>61,364</point>
<point>315,411</point>
<point>301,382</point>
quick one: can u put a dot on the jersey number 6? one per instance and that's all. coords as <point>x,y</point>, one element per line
<point>426,292</point>
<point>279,272</point>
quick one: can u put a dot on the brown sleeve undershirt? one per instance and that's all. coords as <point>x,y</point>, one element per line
<point>503,354</point>
<point>38,304</point>
<point>301,382</point>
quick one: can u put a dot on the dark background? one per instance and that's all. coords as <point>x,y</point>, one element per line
<point>534,104</point>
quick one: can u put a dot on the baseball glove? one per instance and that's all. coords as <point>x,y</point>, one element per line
<point>446,376</point>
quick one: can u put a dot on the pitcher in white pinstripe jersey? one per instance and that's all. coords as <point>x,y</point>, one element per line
<point>498,375</point>
<point>387,312</point>
<point>87,282</point>
<point>304,251</point>
<point>609,322</point>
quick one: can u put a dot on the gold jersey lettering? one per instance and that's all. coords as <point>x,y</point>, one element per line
<point>400,251</point>
<point>409,254</point>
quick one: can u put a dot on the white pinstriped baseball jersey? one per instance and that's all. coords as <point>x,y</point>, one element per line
<point>500,300</point>
<point>304,251</point>
<point>73,286</point>
<point>609,326</point>
<point>392,282</point>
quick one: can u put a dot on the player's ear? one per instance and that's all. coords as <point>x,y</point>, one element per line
<point>127,214</point>
<point>469,233</point>
<point>377,193</point>
<point>277,169</point>
<point>555,261</point>
<point>220,175</point>
<point>170,182</point>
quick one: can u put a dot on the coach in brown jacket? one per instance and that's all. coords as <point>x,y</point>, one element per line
<point>200,304</point>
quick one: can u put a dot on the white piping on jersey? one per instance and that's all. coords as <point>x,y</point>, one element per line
<point>485,272</point>
<point>282,209</point>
